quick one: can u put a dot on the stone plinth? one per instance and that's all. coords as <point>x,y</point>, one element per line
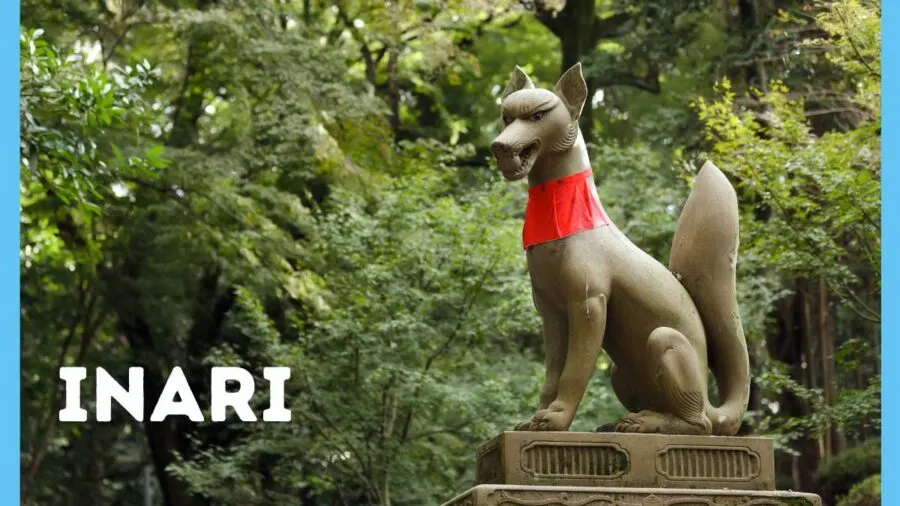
<point>611,469</point>
<point>524,495</point>
<point>587,459</point>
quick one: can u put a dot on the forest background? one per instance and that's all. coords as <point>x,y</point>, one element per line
<point>307,183</point>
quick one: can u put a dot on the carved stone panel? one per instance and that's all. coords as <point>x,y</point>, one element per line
<point>520,495</point>
<point>627,460</point>
<point>714,463</point>
<point>550,459</point>
<point>489,463</point>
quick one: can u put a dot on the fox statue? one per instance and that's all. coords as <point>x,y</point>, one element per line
<point>663,328</point>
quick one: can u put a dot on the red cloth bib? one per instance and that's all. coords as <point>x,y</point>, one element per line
<point>562,207</point>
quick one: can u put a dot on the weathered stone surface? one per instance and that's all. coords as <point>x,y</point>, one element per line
<point>663,327</point>
<point>590,459</point>
<point>523,495</point>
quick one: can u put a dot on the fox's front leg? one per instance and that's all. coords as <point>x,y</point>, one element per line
<point>556,338</point>
<point>556,344</point>
<point>587,324</point>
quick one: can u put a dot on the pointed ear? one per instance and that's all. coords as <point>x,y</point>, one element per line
<point>518,80</point>
<point>573,90</point>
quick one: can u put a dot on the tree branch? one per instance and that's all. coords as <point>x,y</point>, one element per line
<point>108,52</point>
<point>853,46</point>
<point>88,323</point>
<point>613,26</point>
<point>467,306</point>
<point>545,15</point>
<point>469,39</point>
<point>648,82</point>
<point>361,40</point>
<point>317,414</point>
<point>448,430</point>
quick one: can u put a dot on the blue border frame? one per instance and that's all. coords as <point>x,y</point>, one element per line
<point>10,351</point>
<point>890,272</point>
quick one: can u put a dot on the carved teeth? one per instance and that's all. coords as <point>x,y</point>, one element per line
<point>526,152</point>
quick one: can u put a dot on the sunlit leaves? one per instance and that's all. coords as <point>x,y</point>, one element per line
<point>822,192</point>
<point>424,289</point>
<point>854,409</point>
<point>854,45</point>
<point>74,117</point>
<point>812,212</point>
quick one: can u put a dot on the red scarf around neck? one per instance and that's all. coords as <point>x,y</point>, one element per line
<point>562,207</point>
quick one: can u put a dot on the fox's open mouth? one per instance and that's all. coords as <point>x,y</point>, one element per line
<point>518,164</point>
<point>526,156</point>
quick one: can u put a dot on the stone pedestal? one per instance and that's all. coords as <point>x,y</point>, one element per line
<point>611,469</point>
<point>524,495</point>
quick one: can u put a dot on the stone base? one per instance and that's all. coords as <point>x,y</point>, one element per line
<point>521,495</point>
<point>588,459</point>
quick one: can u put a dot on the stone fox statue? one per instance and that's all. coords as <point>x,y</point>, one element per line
<point>594,289</point>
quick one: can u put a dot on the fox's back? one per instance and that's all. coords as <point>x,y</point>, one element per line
<point>641,293</point>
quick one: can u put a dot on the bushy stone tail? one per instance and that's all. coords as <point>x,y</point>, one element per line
<point>704,258</point>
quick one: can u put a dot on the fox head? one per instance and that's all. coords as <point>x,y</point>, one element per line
<point>537,122</point>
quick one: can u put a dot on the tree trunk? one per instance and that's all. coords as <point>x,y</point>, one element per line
<point>163,438</point>
<point>810,351</point>
<point>579,30</point>
<point>750,24</point>
<point>832,438</point>
<point>188,106</point>
<point>88,323</point>
<point>787,345</point>
<point>577,41</point>
<point>393,89</point>
<point>96,467</point>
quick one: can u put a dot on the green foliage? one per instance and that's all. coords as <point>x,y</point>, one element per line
<point>821,194</point>
<point>837,477</point>
<point>641,191</point>
<point>86,132</point>
<point>811,213</point>
<point>410,345</point>
<point>473,101</point>
<point>854,409</point>
<point>75,118</point>
<point>854,46</point>
<point>864,493</point>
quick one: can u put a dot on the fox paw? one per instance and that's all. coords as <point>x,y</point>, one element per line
<point>642,421</point>
<point>557,417</point>
<point>652,422</point>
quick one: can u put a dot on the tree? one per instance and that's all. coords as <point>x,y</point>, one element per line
<point>84,132</point>
<point>631,44</point>
<point>814,220</point>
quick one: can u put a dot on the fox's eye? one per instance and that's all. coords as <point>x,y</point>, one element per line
<point>537,116</point>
